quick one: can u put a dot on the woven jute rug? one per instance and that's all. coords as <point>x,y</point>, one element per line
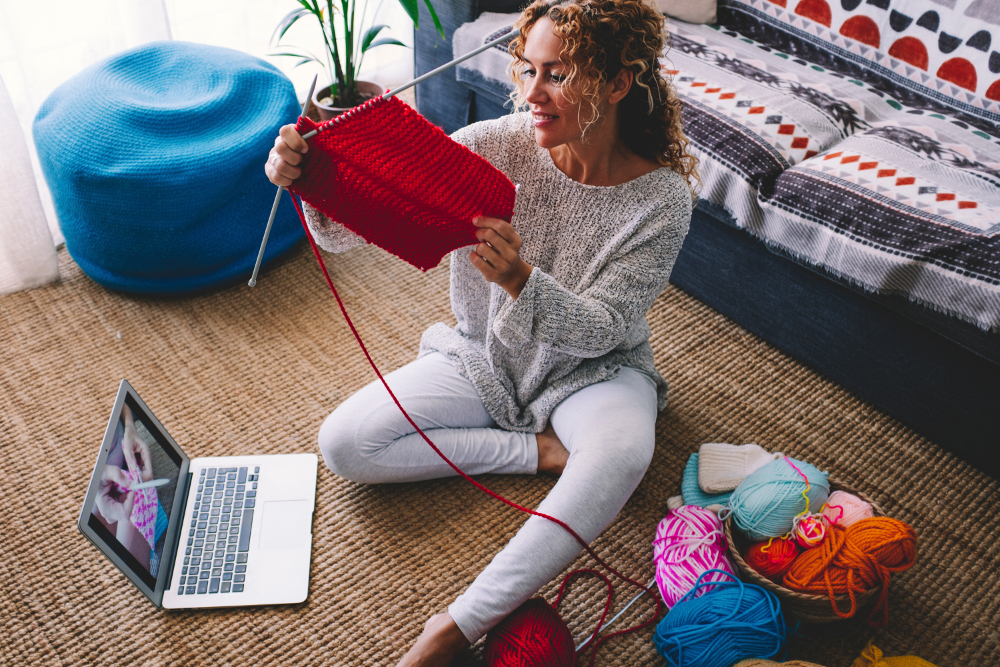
<point>243,371</point>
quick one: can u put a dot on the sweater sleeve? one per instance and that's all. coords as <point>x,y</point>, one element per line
<point>598,319</point>
<point>331,236</point>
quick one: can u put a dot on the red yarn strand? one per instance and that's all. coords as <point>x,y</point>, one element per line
<point>607,607</point>
<point>459,471</point>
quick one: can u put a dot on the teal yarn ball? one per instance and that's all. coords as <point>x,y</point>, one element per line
<point>692,493</point>
<point>732,622</point>
<point>764,503</point>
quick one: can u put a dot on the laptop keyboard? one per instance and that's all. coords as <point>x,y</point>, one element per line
<point>218,542</point>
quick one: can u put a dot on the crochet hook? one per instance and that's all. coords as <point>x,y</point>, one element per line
<point>277,197</point>
<point>420,79</point>
<point>608,624</point>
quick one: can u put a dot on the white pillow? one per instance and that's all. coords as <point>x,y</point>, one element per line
<point>692,11</point>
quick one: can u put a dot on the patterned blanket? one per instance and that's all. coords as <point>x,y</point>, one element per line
<point>839,174</point>
<point>838,163</point>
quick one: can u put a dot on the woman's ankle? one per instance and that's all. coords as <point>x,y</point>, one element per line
<point>445,627</point>
<point>552,455</point>
<point>437,645</point>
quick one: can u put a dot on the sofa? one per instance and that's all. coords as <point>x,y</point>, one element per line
<point>850,207</point>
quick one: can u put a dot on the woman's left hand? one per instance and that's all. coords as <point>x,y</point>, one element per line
<point>498,255</point>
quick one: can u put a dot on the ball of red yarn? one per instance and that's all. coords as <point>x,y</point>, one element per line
<point>533,635</point>
<point>853,560</point>
<point>772,559</point>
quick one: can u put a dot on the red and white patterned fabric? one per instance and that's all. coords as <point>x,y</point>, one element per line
<point>899,200</point>
<point>949,46</point>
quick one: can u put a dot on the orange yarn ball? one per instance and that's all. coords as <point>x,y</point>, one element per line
<point>853,560</point>
<point>772,561</point>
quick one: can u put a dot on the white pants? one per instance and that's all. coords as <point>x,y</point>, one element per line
<point>608,429</point>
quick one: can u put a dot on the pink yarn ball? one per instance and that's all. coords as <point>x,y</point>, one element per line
<point>843,509</point>
<point>689,541</point>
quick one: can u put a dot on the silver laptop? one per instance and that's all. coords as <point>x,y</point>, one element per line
<point>207,532</point>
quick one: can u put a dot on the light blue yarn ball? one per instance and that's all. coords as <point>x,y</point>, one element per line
<point>764,503</point>
<point>732,622</point>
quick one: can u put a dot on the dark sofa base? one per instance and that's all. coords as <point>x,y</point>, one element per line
<point>931,384</point>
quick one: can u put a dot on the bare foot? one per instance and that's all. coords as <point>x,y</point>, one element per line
<point>437,645</point>
<point>552,456</point>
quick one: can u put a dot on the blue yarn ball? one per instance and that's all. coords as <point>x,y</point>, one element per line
<point>732,622</point>
<point>764,503</point>
<point>155,158</point>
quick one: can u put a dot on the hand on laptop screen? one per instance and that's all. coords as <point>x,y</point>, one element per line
<point>137,517</point>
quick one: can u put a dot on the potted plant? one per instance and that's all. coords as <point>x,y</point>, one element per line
<point>346,44</point>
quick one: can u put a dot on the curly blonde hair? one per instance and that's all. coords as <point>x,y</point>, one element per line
<point>599,39</point>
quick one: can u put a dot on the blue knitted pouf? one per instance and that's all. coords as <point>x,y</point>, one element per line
<point>155,158</point>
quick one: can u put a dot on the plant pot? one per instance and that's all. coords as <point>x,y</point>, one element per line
<point>366,88</point>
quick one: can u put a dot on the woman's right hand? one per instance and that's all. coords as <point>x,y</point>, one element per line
<point>282,166</point>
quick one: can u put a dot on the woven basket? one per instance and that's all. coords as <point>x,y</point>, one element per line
<point>803,606</point>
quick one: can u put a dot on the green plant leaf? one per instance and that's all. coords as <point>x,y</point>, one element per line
<point>287,22</point>
<point>303,62</point>
<point>434,17</point>
<point>293,54</point>
<point>370,35</point>
<point>384,40</point>
<point>411,8</point>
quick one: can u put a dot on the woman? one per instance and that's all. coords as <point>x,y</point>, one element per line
<point>549,367</point>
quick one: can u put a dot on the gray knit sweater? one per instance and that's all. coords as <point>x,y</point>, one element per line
<point>601,255</point>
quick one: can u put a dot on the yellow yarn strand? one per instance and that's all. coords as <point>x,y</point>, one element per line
<point>871,656</point>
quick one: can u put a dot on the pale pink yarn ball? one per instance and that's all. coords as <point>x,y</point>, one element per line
<point>689,541</point>
<point>844,508</point>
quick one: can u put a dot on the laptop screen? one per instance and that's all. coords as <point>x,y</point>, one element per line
<point>133,491</point>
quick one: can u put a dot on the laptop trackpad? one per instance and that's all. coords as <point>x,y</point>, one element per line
<point>286,525</point>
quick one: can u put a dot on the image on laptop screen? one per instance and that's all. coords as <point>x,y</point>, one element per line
<point>133,521</point>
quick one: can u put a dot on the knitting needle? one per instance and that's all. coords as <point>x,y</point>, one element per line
<point>277,197</point>
<point>608,624</point>
<point>150,484</point>
<point>434,72</point>
<point>420,79</point>
<point>423,77</point>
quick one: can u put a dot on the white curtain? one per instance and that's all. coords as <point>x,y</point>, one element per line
<point>27,254</point>
<point>42,44</point>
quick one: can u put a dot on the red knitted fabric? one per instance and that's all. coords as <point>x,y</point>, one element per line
<point>399,182</point>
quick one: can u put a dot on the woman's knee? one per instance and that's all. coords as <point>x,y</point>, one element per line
<point>633,452</point>
<point>612,421</point>
<point>339,446</point>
